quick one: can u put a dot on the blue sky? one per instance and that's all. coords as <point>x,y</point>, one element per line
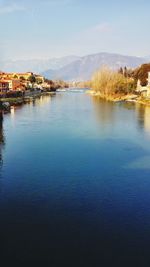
<point>54,28</point>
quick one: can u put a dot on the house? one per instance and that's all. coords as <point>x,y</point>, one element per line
<point>19,81</point>
<point>10,84</point>
<point>25,76</point>
<point>14,75</point>
<point>4,86</point>
<point>39,78</point>
<point>144,90</point>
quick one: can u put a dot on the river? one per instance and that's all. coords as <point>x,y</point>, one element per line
<point>75,183</point>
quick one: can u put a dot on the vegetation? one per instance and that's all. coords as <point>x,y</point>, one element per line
<point>11,94</point>
<point>128,73</point>
<point>22,78</point>
<point>15,76</point>
<point>108,82</point>
<point>32,79</point>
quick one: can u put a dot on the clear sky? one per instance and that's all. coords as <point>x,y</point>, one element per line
<point>54,28</point>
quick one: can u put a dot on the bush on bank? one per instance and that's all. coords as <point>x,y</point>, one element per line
<point>109,82</point>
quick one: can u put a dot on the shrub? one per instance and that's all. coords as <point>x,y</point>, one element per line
<point>109,82</point>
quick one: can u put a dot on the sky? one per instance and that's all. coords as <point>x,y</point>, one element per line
<point>40,29</point>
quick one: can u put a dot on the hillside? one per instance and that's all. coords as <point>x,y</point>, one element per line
<point>83,68</point>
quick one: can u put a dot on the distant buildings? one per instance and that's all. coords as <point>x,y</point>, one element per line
<point>21,81</point>
<point>26,84</point>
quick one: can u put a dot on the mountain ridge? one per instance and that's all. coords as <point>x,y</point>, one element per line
<point>84,67</point>
<point>72,67</point>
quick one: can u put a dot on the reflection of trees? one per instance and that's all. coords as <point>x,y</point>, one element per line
<point>42,100</point>
<point>147,119</point>
<point>105,114</point>
<point>140,110</point>
<point>104,110</point>
<point>108,113</point>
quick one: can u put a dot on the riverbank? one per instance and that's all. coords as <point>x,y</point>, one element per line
<point>21,100</point>
<point>120,97</point>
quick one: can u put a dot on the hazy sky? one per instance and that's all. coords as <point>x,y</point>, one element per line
<point>53,28</point>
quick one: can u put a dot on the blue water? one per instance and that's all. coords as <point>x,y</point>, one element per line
<point>75,183</point>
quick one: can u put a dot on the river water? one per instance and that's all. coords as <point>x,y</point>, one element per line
<point>75,183</point>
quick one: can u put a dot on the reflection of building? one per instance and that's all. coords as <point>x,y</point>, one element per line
<point>143,117</point>
<point>147,119</point>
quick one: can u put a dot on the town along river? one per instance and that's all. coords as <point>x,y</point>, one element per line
<point>75,183</point>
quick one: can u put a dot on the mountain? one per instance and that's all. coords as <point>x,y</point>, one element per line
<point>36,65</point>
<point>72,67</point>
<point>83,68</point>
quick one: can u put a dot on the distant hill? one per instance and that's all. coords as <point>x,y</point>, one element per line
<point>83,68</point>
<point>36,65</point>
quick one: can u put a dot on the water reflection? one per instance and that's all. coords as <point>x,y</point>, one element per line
<point>74,196</point>
<point>104,111</point>
<point>127,114</point>
<point>2,139</point>
<point>42,100</point>
<point>143,113</point>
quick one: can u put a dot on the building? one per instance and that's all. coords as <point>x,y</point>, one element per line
<point>10,85</point>
<point>39,78</point>
<point>19,81</point>
<point>24,76</point>
<point>148,79</point>
<point>4,86</point>
<point>14,75</point>
<point>144,90</point>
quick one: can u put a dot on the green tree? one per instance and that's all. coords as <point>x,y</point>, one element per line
<point>32,79</point>
<point>125,72</point>
<point>22,78</point>
<point>120,71</point>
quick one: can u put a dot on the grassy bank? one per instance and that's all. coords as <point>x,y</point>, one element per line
<point>113,97</point>
<point>13,100</point>
<point>117,98</point>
